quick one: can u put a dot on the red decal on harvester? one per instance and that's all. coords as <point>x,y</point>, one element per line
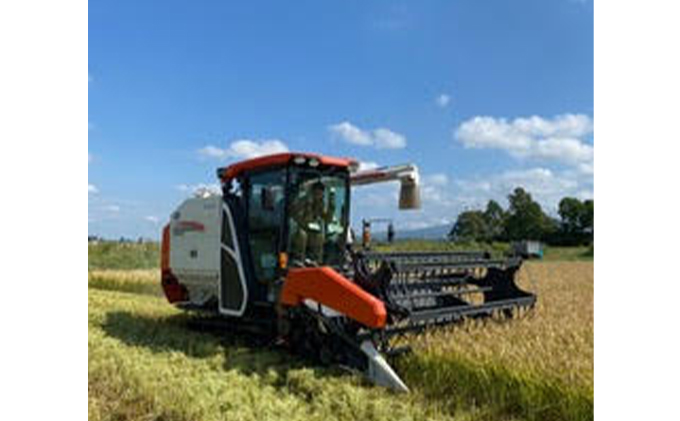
<point>187,226</point>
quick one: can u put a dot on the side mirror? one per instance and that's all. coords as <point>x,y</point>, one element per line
<point>409,195</point>
<point>267,199</point>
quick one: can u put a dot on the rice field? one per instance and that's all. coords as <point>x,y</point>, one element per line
<point>141,281</point>
<point>538,365</point>
<point>145,364</point>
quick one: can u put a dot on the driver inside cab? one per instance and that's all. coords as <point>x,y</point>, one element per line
<point>311,215</point>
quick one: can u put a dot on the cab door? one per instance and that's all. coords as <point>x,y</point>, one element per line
<point>266,210</point>
<point>233,290</point>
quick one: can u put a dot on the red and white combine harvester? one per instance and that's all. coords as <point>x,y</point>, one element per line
<point>271,256</point>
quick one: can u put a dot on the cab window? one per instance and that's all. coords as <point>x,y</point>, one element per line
<point>266,206</point>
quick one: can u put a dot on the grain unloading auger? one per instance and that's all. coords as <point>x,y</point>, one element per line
<point>271,256</point>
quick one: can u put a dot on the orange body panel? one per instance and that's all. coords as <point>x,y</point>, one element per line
<point>165,248</point>
<point>174,291</point>
<point>280,159</point>
<point>328,287</point>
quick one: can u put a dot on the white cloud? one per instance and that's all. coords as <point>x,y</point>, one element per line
<point>432,195</point>
<point>587,168</point>
<point>374,197</point>
<point>585,194</point>
<point>380,138</point>
<point>438,199</point>
<point>443,199</point>
<point>351,133</point>
<point>560,139</point>
<point>433,190</point>
<point>488,132</point>
<point>568,150</point>
<point>213,188</point>
<point>387,139</point>
<point>112,208</point>
<point>91,188</point>
<point>367,165</point>
<point>211,151</point>
<point>443,100</point>
<point>565,125</point>
<point>153,219</point>
<point>384,197</point>
<point>436,179</point>
<point>546,186</point>
<point>245,149</point>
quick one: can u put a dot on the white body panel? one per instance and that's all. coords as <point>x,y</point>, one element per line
<point>195,246</point>
<point>196,254</point>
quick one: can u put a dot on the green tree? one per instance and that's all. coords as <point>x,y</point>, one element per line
<point>588,216</point>
<point>576,226</point>
<point>526,220</point>
<point>469,226</point>
<point>494,215</point>
<point>571,211</point>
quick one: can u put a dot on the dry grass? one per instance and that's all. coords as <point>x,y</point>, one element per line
<point>145,364</point>
<point>555,339</point>
<point>548,350</point>
<point>113,255</point>
<point>141,281</point>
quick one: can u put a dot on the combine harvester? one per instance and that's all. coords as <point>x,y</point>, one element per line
<point>271,256</point>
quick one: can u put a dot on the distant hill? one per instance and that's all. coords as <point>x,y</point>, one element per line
<point>438,232</point>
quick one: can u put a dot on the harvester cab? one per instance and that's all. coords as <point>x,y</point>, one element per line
<point>270,256</point>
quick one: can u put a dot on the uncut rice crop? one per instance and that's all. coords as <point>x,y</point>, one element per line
<point>146,364</point>
<point>538,365</point>
<point>113,255</point>
<point>142,281</point>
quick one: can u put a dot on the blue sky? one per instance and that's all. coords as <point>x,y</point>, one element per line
<point>481,95</point>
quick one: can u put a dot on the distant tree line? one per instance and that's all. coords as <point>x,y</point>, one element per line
<point>98,239</point>
<point>525,220</point>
